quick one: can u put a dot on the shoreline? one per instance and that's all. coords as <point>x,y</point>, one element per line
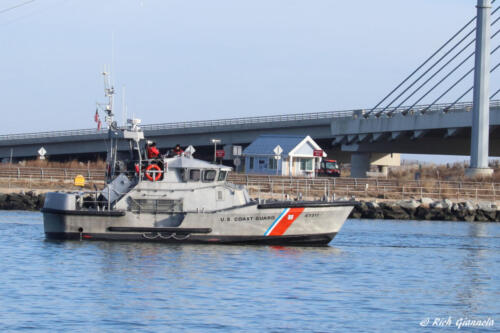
<point>427,210</point>
<point>424,209</point>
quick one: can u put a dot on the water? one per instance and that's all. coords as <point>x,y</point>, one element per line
<point>376,276</point>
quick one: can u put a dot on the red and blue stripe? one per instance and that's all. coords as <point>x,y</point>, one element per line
<point>283,221</point>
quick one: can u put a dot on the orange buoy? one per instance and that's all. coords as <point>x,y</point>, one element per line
<point>153,175</point>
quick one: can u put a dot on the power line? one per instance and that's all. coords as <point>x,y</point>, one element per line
<point>429,69</point>
<point>449,74</point>
<point>460,80</point>
<point>440,69</point>
<point>16,6</point>
<point>422,65</point>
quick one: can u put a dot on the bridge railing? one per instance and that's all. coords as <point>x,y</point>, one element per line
<point>253,120</point>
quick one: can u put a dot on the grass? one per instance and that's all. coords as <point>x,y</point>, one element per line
<point>74,164</point>
<point>449,172</point>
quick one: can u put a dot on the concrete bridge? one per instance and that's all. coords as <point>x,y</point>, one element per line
<point>237,131</point>
<point>420,130</point>
<point>434,132</point>
<point>440,129</point>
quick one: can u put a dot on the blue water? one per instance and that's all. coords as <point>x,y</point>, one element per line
<point>376,276</point>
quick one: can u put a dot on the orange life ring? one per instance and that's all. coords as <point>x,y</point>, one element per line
<point>149,175</point>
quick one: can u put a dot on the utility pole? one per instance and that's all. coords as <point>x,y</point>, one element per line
<point>215,142</point>
<point>481,102</point>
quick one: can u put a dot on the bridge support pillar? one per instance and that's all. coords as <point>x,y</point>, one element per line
<point>481,103</point>
<point>360,164</point>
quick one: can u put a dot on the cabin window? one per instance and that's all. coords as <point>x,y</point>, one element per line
<point>182,174</point>
<point>155,206</point>
<point>209,175</point>
<point>306,164</point>
<point>222,176</point>
<point>251,162</point>
<point>194,175</point>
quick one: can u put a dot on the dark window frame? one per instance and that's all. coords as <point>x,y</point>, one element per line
<point>191,175</point>
<point>222,176</point>
<point>206,172</point>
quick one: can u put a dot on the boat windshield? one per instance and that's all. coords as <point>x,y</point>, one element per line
<point>209,175</point>
<point>222,175</point>
<point>194,175</point>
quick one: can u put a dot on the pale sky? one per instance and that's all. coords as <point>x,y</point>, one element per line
<point>184,60</point>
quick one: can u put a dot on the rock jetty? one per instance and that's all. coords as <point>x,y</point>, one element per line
<point>427,209</point>
<point>424,209</point>
<point>21,201</point>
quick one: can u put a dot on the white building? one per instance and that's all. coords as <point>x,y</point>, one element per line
<point>296,157</point>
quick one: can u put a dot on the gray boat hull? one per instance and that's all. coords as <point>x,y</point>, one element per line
<point>279,223</point>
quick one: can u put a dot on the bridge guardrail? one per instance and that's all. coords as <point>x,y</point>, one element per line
<point>251,120</point>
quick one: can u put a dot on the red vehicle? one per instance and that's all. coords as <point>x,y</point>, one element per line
<point>328,168</point>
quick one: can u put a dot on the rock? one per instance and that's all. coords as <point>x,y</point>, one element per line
<point>355,214</point>
<point>486,206</point>
<point>20,201</point>
<point>481,216</point>
<point>486,211</point>
<point>470,217</point>
<point>423,213</point>
<point>373,211</point>
<point>40,200</point>
<point>3,200</point>
<point>462,214</point>
<point>393,212</point>
<point>17,201</point>
<point>372,205</point>
<point>469,206</point>
<point>408,204</point>
<point>375,214</point>
<point>437,205</point>
<point>426,202</point>
<point>439,214</point>
<point>447,204</point>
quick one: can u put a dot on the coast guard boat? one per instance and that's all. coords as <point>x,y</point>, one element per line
<point>180,199</point>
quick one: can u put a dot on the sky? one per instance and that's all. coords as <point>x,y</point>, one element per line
<point>182,60</point>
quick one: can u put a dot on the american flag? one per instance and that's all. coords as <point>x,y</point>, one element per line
<point>97,119</point>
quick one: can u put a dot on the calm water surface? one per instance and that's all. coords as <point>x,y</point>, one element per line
<point>376,276</point>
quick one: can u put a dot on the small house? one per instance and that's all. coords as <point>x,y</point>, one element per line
<point>284,155</point>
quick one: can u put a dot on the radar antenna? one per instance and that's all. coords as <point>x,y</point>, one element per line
<point>109,92</point>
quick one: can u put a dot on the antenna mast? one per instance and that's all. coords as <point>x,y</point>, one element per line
<point>109,92</point>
